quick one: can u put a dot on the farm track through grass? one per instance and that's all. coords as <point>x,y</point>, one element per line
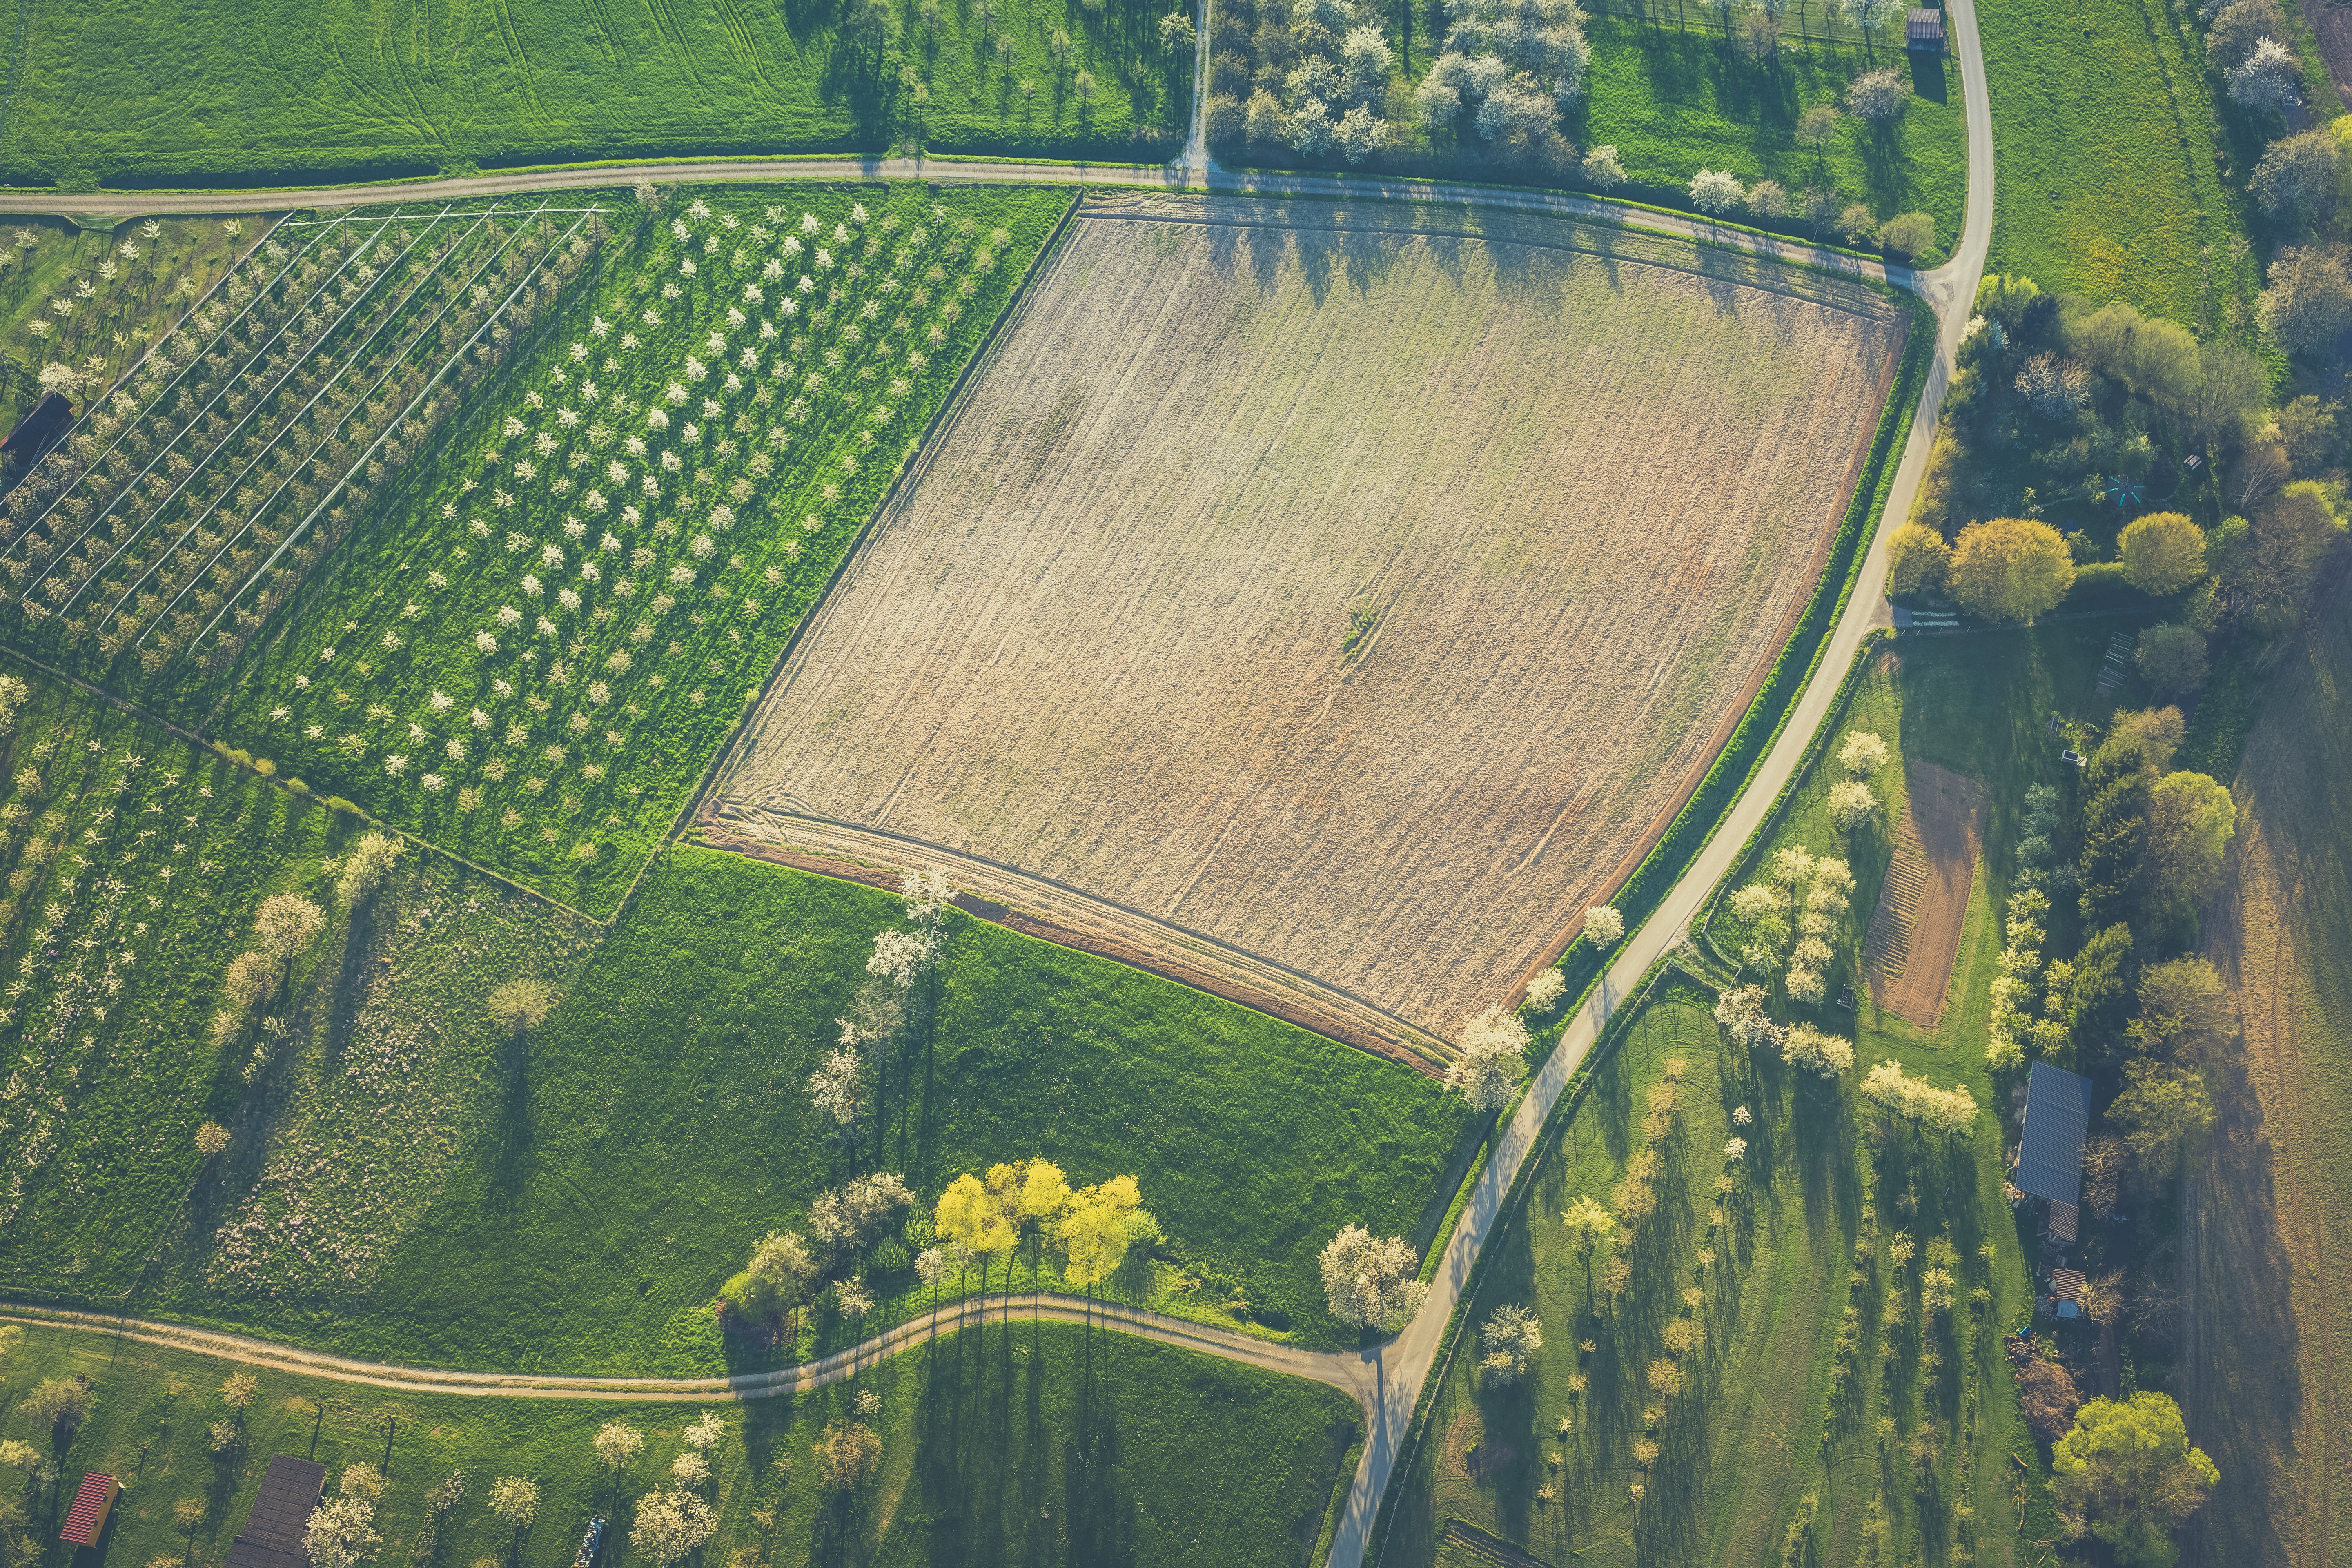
<point>1007,1443</point>
<point>1209,758</point>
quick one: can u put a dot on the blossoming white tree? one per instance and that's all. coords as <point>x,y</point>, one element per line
<point>1371,1283</point>
<point>1492,1059</point>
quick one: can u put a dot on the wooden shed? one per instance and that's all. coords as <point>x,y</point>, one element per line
<point>1924,30</point>
<point>272,1536</point>
<point>86,1521</point>
<point>2066,1289</point>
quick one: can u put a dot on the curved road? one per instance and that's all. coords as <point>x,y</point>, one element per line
<point>1387,1380</point>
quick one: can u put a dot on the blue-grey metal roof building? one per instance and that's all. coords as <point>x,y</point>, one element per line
<point>2057,1118</point>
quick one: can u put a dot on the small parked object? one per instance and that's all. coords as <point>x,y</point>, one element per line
<point>590,1542</point>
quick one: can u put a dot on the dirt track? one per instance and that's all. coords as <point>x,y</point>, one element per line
<point>1914,932</point>
<point>1100,651</point>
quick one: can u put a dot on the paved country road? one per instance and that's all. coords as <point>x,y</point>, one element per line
<point>1386,1382</point>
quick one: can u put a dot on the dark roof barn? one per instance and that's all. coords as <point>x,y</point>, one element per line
<point>1924,30</point>
<point>272,1536</point>
<point>2057,1117</point>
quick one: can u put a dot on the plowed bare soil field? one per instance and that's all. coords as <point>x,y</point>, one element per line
<point>1914,932</point>
<point>1345,594</point>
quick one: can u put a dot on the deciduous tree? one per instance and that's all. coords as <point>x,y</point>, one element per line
<point>1916,559</point>
<point>2172,660</point>
<point>2011,569</point>
<point>1509,1340</point>
<point>341,1533</point>
<point>2309,298</point>
<point>2163,551</point>
<point>2163,1109</point>
<point>1492,1061</point>
<point>1370,1283</point>
<point>670,1523</point>
<point>2127,1474</point>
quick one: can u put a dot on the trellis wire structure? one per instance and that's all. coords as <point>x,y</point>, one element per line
<point>314,371</point>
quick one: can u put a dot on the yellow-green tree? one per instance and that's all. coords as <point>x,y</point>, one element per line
<point>2163,552</point>
<point>1040,1201</point>
<point>2191,820</point>
<point>1917,558</point>
<point>2011,569</point>
<point>1101,1225</point>
<point>1588,1225</point>
<point>2127,1474</point>
<point>977,1219</point>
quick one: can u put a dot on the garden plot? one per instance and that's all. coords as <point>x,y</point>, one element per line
<point>1914,932</point>
<point>538,642</point>
<point>1347,601</point>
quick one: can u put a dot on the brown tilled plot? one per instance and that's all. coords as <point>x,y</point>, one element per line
<point>1914,932</point>
<point>1303,591</point>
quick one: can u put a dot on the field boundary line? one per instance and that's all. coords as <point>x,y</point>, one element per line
<point>714,834</point>
<point>920,454</point>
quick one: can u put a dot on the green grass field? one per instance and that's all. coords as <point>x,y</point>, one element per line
<point>231,95</point>
<point>1674,102</point>
<point>406,1187</point>
<point>134,863</point>
<point>1027,1444</point>
<point>2105,136</point>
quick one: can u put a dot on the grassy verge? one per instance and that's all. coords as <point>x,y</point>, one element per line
<point>1675,103</point>
<point>2106,135</point>
<point>1012,1444</point>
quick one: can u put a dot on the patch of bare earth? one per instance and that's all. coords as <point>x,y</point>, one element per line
<point>1341,606</point>
<point>1915,930</point>
<point>2266,1337</point>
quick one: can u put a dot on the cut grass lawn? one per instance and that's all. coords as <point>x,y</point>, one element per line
<point>241,95</point>
<point>2105,134</point>
<point>2266,1350</point>
<point>1041,1443</point>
